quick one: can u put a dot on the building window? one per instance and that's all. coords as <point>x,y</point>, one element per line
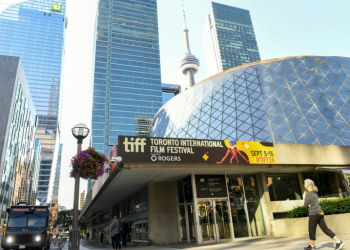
<point>138,202</point>
<point>329,184</point>
<point>283,187</point>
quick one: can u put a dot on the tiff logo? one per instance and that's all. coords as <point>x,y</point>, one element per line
<point>133,146</point>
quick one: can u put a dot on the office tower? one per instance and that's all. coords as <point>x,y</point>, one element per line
<point>54,215</point>
<point>82,200</point>
<point>17,134</point>
<point>229,38</point>
<point>34,184</point>
<point>189,64</point>
<point>34,31</point>
<point>56,183</point>
<point>127,82</point>
<point>169,91</point>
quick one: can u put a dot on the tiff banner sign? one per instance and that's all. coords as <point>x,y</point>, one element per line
<point>153,149</point>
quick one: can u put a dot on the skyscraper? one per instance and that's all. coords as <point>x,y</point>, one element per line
<point>127,82</point>
<point>229,38</point>
<point>56,183</point>
<point>82,200</point>
<point>34,31</point>
<point>17,134</point>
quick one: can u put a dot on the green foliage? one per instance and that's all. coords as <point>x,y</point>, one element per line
<point>65,219</point>
<point>338,206</point>
<point>298,212</point>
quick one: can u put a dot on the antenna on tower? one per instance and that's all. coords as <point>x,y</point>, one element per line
<point>184,16</point>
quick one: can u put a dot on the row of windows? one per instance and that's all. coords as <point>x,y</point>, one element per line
<point>121,22</point>
<point>139,95</point>
<point>119,117</point>
<point>125,73</point>
<point>119,108</point>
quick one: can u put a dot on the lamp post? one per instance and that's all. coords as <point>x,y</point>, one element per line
<point>80,132</point>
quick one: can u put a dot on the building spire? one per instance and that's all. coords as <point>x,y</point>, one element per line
<point>189,64</point>
<point>184,16</point>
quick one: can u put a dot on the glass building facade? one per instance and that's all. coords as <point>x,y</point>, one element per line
<point>56,183</point>
<point>287,100</point>
<point>34,31</point>
<point>17,134</point>
<point>229,38</point>
<point>34,182</point>
<point>127,83</point>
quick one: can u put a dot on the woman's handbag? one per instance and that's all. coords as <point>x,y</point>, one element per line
<point>128,238</point>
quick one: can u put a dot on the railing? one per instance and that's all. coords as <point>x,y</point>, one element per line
<point>60,242</point>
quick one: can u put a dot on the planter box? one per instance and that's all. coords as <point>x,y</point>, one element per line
<point>338,223</point>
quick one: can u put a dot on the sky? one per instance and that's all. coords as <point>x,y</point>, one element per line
<point>282,28</point>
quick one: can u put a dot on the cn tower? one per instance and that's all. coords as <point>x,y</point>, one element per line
<point>189,64</point>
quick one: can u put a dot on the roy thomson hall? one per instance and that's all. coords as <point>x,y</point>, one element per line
<point>183,190</point>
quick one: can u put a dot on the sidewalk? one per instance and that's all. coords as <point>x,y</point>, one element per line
<point>281,243</point>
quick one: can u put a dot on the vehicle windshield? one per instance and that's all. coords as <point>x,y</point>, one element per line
<point>27,220</point>
<point>18,221</point>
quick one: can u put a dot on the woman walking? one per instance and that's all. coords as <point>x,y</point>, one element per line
<point>316,216</point>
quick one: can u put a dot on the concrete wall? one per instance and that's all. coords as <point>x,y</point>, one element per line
<point>162,213</point>
<point>312,154</point>
<point>338,223</point>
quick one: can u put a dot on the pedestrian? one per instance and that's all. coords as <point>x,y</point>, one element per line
<point>316,216</point>
<point>87,235</point>
<point>101,236</point>
<point>112,234</point>
<point>125,232</point>
<point>116,228</point>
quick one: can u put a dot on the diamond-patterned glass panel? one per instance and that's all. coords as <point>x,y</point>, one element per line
<point>292,100</point>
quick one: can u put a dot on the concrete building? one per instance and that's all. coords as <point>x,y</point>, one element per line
<point>82,200</point>
<point>54,211</point>
<point>289,121</point>
<point>229,39</point>
<point>17,134</point>
<point>187,190</point>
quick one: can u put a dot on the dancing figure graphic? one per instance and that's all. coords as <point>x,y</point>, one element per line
<point>232,148</point>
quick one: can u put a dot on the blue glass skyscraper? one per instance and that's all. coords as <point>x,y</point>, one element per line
<point>34,31</point>
<point>127,81</point>
<point>229,38</point>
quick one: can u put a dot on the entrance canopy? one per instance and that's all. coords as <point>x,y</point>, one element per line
<point>138,166</point>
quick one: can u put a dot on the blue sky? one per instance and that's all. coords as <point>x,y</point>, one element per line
<point>282,27</point>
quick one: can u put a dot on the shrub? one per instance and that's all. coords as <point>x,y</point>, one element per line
<point>338,206</point>
<point>297,212</point>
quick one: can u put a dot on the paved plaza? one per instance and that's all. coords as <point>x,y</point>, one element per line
<point>281,243</point>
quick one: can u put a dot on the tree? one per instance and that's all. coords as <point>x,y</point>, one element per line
<point>65,219</point>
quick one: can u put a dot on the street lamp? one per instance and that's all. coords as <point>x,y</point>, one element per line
<point>80,132</point>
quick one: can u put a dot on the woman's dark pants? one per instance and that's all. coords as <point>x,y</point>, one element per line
<point>117,241</point>
<point>113,241</point>
<point>318,219</point>
<point>124,239</point>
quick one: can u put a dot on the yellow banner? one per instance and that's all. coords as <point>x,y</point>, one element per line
<point>257,152</point>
